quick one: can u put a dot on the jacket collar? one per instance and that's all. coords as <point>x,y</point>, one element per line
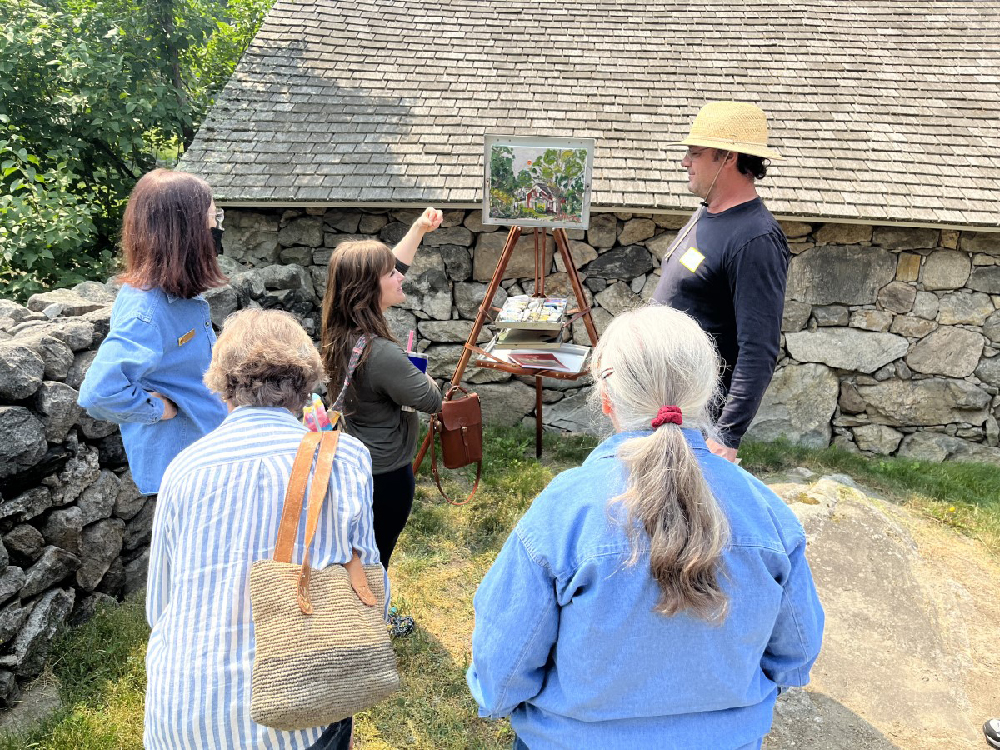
<point>609,448</point>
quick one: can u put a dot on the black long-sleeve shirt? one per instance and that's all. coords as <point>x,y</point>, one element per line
<point>729,273</point>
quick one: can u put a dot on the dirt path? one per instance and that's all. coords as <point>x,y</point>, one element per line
<point>910,656</point>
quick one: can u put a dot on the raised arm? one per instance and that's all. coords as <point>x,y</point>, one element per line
<point>428,221</point>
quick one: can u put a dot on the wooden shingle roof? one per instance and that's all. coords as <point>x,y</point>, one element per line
<point>885,111</point>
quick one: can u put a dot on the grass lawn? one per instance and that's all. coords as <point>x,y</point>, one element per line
<point>442,555</point>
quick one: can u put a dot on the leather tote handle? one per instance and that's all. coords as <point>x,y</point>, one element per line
<point>292,509</point>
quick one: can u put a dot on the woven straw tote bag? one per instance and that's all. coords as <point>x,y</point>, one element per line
<point>321,654</point>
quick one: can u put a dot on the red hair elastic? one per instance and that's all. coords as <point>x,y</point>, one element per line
<point>667,415</point>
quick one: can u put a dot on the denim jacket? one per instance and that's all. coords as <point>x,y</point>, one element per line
<point>157,342</point>
<point>566,641</point>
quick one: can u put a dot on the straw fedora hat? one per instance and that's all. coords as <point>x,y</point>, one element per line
<point>731,126</point>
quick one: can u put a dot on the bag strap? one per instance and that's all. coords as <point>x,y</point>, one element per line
<point>291,512</point>
<point>296,491</point>
<point>433,427</point>
<point>317,494</point>
<point>356,352</point>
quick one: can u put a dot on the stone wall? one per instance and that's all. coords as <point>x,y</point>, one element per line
<point>75,529</point>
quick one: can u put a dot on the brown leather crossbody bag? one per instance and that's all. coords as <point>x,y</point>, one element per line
<point>459,426</point>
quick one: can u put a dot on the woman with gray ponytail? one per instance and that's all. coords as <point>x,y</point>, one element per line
<point>657,595</point>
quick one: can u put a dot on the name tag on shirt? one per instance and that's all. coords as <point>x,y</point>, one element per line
<point>185,338</point>
<point>692,259</point>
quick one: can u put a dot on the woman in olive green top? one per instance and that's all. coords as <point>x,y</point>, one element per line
<point>363,281</point>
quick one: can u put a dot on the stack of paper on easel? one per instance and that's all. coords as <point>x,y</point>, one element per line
<point>565,358</point>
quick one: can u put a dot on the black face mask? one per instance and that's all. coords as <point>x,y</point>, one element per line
<point>217,236</point>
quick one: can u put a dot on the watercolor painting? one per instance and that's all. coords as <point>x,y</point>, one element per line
<point>538,182</point>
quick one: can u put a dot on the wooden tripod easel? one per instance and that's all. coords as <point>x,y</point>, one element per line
<point>582,311</point>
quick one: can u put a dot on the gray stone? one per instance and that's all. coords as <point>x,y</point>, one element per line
<point>489,247</point>
<point>139,527</point>
<point>401,322</point>
<point>985,279</point>
<point>925,305</point>
<point>371,223</point>
<point>307,231</point>
<point>795,316</point>
<point>79,472</point>
<point>11,582</point>
<point>558,285</point>
<point>443,359</point>
<point>102,543</point>
<point>618,298</point>
<point>95,291</point>
<point>846,348</point>
<point>27,505</point>
<point>52,567</point>
<point>871,320</point>
<point>17,313</point>
<point>926,402</point>
<point>135,573</point>
<point>930,446</point>
<point>830,315</point>
<point>427,287</point>
<point>798,406</point>
<point>970,452</point>
<point>448,236</point>
<point>602,319</point>
<point>251,237</point>
<point>22,440</point>
<point>603,230</point>
<point>850,400</point>
<point>660,245</point>
<point>897,297</point>
<point>457,261</point>
<point>981,242</point>
<point>129,500</point>
<point>392,233</point>
<point>884,373</point>
<point>950,351</point>
<point>580,252</point>
<point>844,234</point>
<point>902,371</point>
<point>12,619</point>
<point>945,269</point>
<point>56,404</point>
<point>25,541</point>
<point>469,296</point>
<point>222,302</point>
<point>988,371</point>
<point>971,308</point>
<point>98,500</point>
<point>830,274</point>
<point>298,255</point>
<point>78,370</point>
<point>71,302</point>
<point>64,527</point>
<point>450,331</point>
<point>31,647</point>
<point>621,263</point>
<point>56,356</point>
<point>114,580</point>
<point>343,220</point>
<point>101,320</point>
<point>907,325</point>
<point>905,238</point>
<point>877,438</point>
<point>991,328</point>
<point>89,606</point>
<point>574,413</point>
<point>94,429</point>
<point>77,334</point>
<point>505,403</point>
<point>636,230</point>
<point>474,223</point>
<point>21,370</point>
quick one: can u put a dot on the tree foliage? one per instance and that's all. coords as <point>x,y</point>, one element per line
<point>93,93</point>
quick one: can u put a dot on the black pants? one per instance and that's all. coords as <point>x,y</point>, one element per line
<point>336,737</point>
<point>392,501</point>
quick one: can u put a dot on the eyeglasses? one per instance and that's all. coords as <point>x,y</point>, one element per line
<point>219,216</point>
<point>603,374</point>
<point>694,153</point>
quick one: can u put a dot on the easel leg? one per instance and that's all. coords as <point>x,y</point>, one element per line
<point>538,417</point>
<point>463,362</point>
<point>559,235</point>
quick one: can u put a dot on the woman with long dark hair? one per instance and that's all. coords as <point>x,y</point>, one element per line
<point>658,595</point>
<point>364,279</point>
<point>147,374</point>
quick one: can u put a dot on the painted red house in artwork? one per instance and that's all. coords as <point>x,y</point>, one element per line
<point>541,199</point>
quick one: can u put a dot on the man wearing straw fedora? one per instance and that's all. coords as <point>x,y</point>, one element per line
<point>728,266</point>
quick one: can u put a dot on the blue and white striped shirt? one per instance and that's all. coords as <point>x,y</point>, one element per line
<point>218,511</point>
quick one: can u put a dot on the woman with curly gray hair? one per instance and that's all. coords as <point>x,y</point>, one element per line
<point>218,511</point>
<point>658,595</point>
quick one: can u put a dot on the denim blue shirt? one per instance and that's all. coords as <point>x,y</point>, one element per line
<point>567,643</point>
<point>162,343</point>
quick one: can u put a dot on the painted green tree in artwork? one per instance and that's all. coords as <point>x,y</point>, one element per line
<point>561,171</point>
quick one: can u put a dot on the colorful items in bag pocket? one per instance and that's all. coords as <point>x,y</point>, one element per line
<point>315,417</point>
